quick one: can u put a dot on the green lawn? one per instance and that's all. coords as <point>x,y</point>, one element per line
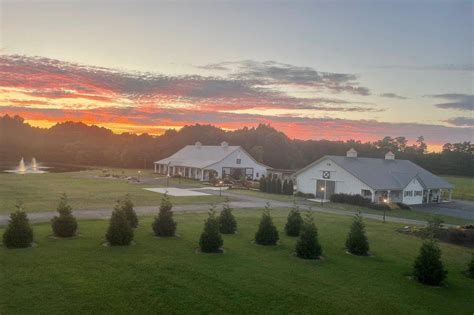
<point>166,275</point>
<point>464,187</point>
<point>264,195</point>
<point>40,192</point>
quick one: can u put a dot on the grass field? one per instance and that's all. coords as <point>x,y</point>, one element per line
<point>464,187</point>
<point>166,275</point>
<point>41,192</point>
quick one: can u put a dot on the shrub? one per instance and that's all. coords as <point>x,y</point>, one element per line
<point>18,233</point>
<point>267,233</point>
<point>227,222</point>
<point>428,268</point>
<point>308,246</point>
<point>120,232</point>
<point>64,225</point>
<point>164,225</point>
<point>211,239</point>
<point>284,189</point>
<point>357,200</point>
<point>403,206</point>
<point>303,195</point>
<point>470,269</point>
<point>262,183</point>
<point>434,228</point>
<point>357,242</point>
<point>274,189</point>
<point>127,207</point>
<point>379,206</point>
<point>294,222</point>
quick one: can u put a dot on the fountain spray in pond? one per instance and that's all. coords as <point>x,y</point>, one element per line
<point>33,168</point>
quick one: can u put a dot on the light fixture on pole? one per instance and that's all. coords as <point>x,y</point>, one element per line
<point>220,188</point>
<point>139,172</point>
<point>323,189</point>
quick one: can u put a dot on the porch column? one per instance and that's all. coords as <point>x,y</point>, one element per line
<point>202,174</point>
<point>388,196</point>
<point>428,197</point>
<point>373,195</point>
<point>450,194</point>
<point>155,167</point>
<point>440,194</point>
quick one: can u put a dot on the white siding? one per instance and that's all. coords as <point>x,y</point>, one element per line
<point>345,182</point>
<point>413,186</point>
<point>246,162</point>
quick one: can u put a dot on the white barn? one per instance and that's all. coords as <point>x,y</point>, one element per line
<point>380,180</point>
<point>205,161</point>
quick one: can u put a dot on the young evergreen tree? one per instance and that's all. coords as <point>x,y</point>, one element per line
<point>64,225</point>
<point>308,246</point>
<point>18,233</point>
<point>284,189</point>
<point>119,233</point>
<point>278,188</point>
<point>267,233</point>
<point>164,225</point>
<point>268,184</point>
<point>274,186</point>
<point>428,268</point>
<point>127,206</point>
<point>357,242</point>
<point>290,187</point>
<point>470,269</point>
<point>294,222</point>
<point>211,239</point>
<point>227,222</point>
<point>262,182</point>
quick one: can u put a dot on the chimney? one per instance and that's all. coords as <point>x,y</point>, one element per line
<point>351,153</point>
<point>198,145</point>
<point>390,156</point>
<point>224,144</point>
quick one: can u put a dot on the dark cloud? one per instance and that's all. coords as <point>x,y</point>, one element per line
<point>457,101</point>
<point>276,73</point>
<point>393,95</point>
<point>461,121</point>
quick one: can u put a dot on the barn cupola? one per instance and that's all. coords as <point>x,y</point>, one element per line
<point>390,155</point>
<point>198,145</point>
<point>351,153</point>
<point>224,145</point>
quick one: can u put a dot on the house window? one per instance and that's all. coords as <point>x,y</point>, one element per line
<point>225,171</point>
<point>257,175</point>
<point>418,192</point>
<point>366,193</point>
<point>408,193</point>
<point>239,161</point>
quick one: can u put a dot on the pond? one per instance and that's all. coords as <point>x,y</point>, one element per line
<point>39,167</point>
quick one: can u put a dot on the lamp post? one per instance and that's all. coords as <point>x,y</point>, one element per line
<point>167,180</point>
<point>323,189</point>
<point>139,172</point>
<point>220,188</point>
<point>179,177</point>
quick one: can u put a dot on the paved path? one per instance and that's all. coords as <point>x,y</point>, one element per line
<point>239,201</point>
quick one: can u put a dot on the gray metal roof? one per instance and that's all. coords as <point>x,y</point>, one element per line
<point>201,156</point>
<point>382,174</point>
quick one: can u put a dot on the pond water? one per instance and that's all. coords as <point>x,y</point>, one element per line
<point>43,167</point>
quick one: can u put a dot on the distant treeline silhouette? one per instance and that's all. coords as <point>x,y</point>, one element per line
<point>77,143</point>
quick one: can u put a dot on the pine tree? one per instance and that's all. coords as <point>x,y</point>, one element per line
<point>357,242</point>
<point>428,268</point>
<point>278,187</point>
<point>294,222</point>
<point>268,184</point>
<point>227,222</point>
<point>308,246</point>
<point>284,190</point>
<point>18,233</point>
<point>470,270</point>
<point>290,187</point>
<point>127,206</point>
<point>274,186</point>
<point>164,225</point>
<point>261,186</point>
<point>211,239</point>
<point>120,232</point>
<point>64,225</point>
<point>267,233</point>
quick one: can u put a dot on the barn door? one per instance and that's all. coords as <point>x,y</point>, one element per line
<point>322,186</point>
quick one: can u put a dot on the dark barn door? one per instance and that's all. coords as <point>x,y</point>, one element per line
<point>325,185</point>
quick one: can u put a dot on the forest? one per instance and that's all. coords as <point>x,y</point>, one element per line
<point>78,143</point>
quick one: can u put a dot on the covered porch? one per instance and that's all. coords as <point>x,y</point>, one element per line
<point>185,171</point>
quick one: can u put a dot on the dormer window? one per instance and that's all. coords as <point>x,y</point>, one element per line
<point>239,161</point>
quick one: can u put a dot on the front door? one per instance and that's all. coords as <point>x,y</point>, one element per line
<point>325,189</point>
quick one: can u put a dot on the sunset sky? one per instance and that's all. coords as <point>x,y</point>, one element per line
<point>334,70</point>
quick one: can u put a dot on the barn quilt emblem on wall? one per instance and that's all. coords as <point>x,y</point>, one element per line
<point>326,174</point>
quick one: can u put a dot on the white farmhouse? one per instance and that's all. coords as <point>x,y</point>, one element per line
<point>381,180</point>
<point>205,161</point>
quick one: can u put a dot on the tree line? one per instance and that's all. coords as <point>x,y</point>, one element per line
<point>78,143</point>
